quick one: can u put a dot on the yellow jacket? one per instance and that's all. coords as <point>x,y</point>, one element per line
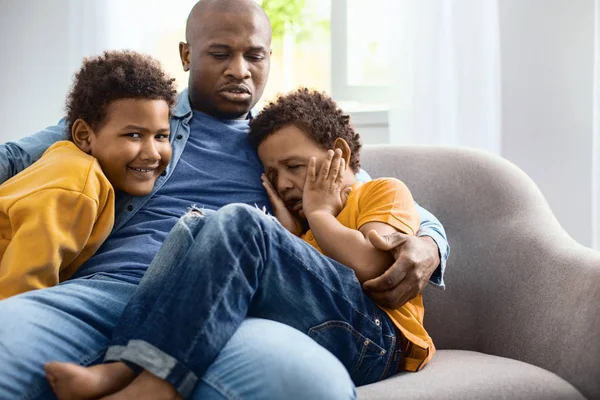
<point>54,215</point>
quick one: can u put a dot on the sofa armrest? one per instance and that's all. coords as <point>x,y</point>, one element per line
<point>518,285</point>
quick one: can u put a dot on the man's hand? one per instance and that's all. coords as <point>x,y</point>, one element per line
<point>416,260</point>
<point>283,215</point>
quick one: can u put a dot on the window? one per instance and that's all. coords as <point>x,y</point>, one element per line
<point>360,53</point>
<point>337,46</point>
<point>301,45</point>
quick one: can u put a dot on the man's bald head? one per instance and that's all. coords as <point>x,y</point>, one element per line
<point>204,8</point>
<point>228,53</point>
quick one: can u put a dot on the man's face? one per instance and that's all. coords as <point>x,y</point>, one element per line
<point>132,146</point>
<point>229,59</point>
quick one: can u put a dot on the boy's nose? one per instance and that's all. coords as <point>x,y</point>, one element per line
<point>283,186</point>
<point>150,151</point>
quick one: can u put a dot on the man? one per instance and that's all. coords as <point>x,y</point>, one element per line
<point>227,53</point>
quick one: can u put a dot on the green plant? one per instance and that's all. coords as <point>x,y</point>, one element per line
<point>285,15</point>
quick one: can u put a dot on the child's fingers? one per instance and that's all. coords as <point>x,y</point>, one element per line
<point>275,200</point>
<point>311,173</point>
<point>324,172</point>
<point>335,166</point>
<point>335,171</point>
<point>340,175</point>
<point>271,193</point>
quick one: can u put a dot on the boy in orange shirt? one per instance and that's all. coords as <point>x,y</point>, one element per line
<point>306,123</point>
<point>216,269</point>
<point>55,214</point>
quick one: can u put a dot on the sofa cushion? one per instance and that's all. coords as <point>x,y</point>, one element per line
<point>459,374</point>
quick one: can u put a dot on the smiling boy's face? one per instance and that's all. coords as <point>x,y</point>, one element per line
<point>132,146</point>
<point>285,155</point>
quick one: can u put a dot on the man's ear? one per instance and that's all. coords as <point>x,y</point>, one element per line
<point>81,134</point>
<point>184,55</point>
<point>343,145</point>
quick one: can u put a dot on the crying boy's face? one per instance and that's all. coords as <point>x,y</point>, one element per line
<point>285,155</point>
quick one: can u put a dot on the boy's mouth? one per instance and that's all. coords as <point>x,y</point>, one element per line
<point>143,173</point>
<point>142,169</point>
<point>297,206</point>
<point>293,204</point>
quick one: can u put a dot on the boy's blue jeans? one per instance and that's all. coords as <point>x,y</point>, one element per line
<point>215,270</point>
<point>74,322</point>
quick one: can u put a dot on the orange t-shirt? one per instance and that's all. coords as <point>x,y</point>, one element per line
<point>388,200</point>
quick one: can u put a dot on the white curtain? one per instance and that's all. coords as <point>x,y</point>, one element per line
<point>445,73</point>
<point>596,134</point>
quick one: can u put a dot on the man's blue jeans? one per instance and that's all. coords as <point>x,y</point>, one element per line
<point>214,271</point>
<point>75,320</point>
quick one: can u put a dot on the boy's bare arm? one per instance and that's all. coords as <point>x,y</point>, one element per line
<point>322,202</point>
<point>351,247</point>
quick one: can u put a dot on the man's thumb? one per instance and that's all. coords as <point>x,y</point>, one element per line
<point>387,242</point>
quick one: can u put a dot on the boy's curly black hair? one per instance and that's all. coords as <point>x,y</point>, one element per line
<point>115,75</point>
<point>313,112</point>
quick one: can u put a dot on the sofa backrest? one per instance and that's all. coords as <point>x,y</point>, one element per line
<point>517,285</point>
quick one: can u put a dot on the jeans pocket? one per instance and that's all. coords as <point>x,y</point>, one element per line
<point>361,356</point>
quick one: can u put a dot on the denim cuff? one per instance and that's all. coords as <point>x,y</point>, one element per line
<point>152,359</point>
<point>437,278</point>
<point>114,353</point>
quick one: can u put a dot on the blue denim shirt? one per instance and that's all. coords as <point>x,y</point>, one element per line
<point>18,155</point>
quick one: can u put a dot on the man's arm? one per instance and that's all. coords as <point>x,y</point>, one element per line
<point>418,259</point>
<point>18,155</point>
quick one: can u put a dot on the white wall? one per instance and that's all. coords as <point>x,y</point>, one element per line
<point>42,43</point>
<point>372,126</point>
<point>34,65</point>
<point>547,54</point>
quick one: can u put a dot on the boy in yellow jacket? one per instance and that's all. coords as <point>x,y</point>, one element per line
<point>55,214</point>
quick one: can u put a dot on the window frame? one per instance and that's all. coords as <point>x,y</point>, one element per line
<point>340,89</point>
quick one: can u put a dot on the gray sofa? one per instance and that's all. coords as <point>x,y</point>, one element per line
<point>520,316</point>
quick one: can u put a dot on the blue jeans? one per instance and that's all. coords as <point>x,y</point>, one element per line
<point>75,320</point>
<point>214,271</point>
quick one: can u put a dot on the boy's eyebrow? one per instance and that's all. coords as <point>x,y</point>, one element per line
<point>142,128</point>
<point>286,160</point>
